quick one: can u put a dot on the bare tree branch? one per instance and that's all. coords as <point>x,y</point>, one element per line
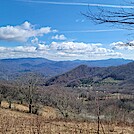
<point>121,17</point>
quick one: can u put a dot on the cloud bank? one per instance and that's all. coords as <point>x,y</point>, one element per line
<point>73,50</point>
<point>81,49</point>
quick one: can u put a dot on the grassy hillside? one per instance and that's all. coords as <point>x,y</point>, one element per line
<point>12,122</point>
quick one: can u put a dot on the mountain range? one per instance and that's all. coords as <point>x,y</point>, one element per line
<point>10,68</point>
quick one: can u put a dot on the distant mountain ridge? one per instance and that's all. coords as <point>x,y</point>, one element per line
<point>14,67</point>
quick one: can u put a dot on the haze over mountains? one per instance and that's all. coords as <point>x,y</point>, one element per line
<point>10,68</point>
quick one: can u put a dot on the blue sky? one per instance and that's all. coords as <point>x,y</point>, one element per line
<point>56,29</point>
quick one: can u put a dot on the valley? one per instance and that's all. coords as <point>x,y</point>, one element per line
<point>83,100</point>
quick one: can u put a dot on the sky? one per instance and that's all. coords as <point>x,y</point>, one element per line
<point>57,30</point>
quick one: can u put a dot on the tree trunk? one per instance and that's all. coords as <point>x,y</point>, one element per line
<point>30,106</point>
<point>1,99</point>
<point>21,101</point>
<point>0,102</point>
<point>10,103</point>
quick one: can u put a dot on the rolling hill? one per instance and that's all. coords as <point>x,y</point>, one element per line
<point>84,74</point>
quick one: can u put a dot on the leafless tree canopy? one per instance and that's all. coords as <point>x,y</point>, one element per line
<point>121,17</point>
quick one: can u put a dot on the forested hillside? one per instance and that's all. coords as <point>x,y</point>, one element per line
<point>88,75</point>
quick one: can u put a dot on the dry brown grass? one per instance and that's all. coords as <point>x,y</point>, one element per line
<point>15,106</point>
<point>48,113</point>
<point>14,122</point>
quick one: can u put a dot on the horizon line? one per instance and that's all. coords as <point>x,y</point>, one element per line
<point>64,60</point>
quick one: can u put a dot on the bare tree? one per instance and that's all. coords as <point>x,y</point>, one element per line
<point>27,86</point>
<point>32,82</point>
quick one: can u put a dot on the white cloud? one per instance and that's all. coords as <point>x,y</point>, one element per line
<point>123,46</point>
<point>59,37</point>
<point>26,25</point>
<point>22,33</point>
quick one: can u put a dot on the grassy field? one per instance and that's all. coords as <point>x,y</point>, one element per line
<point>19,122</point>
